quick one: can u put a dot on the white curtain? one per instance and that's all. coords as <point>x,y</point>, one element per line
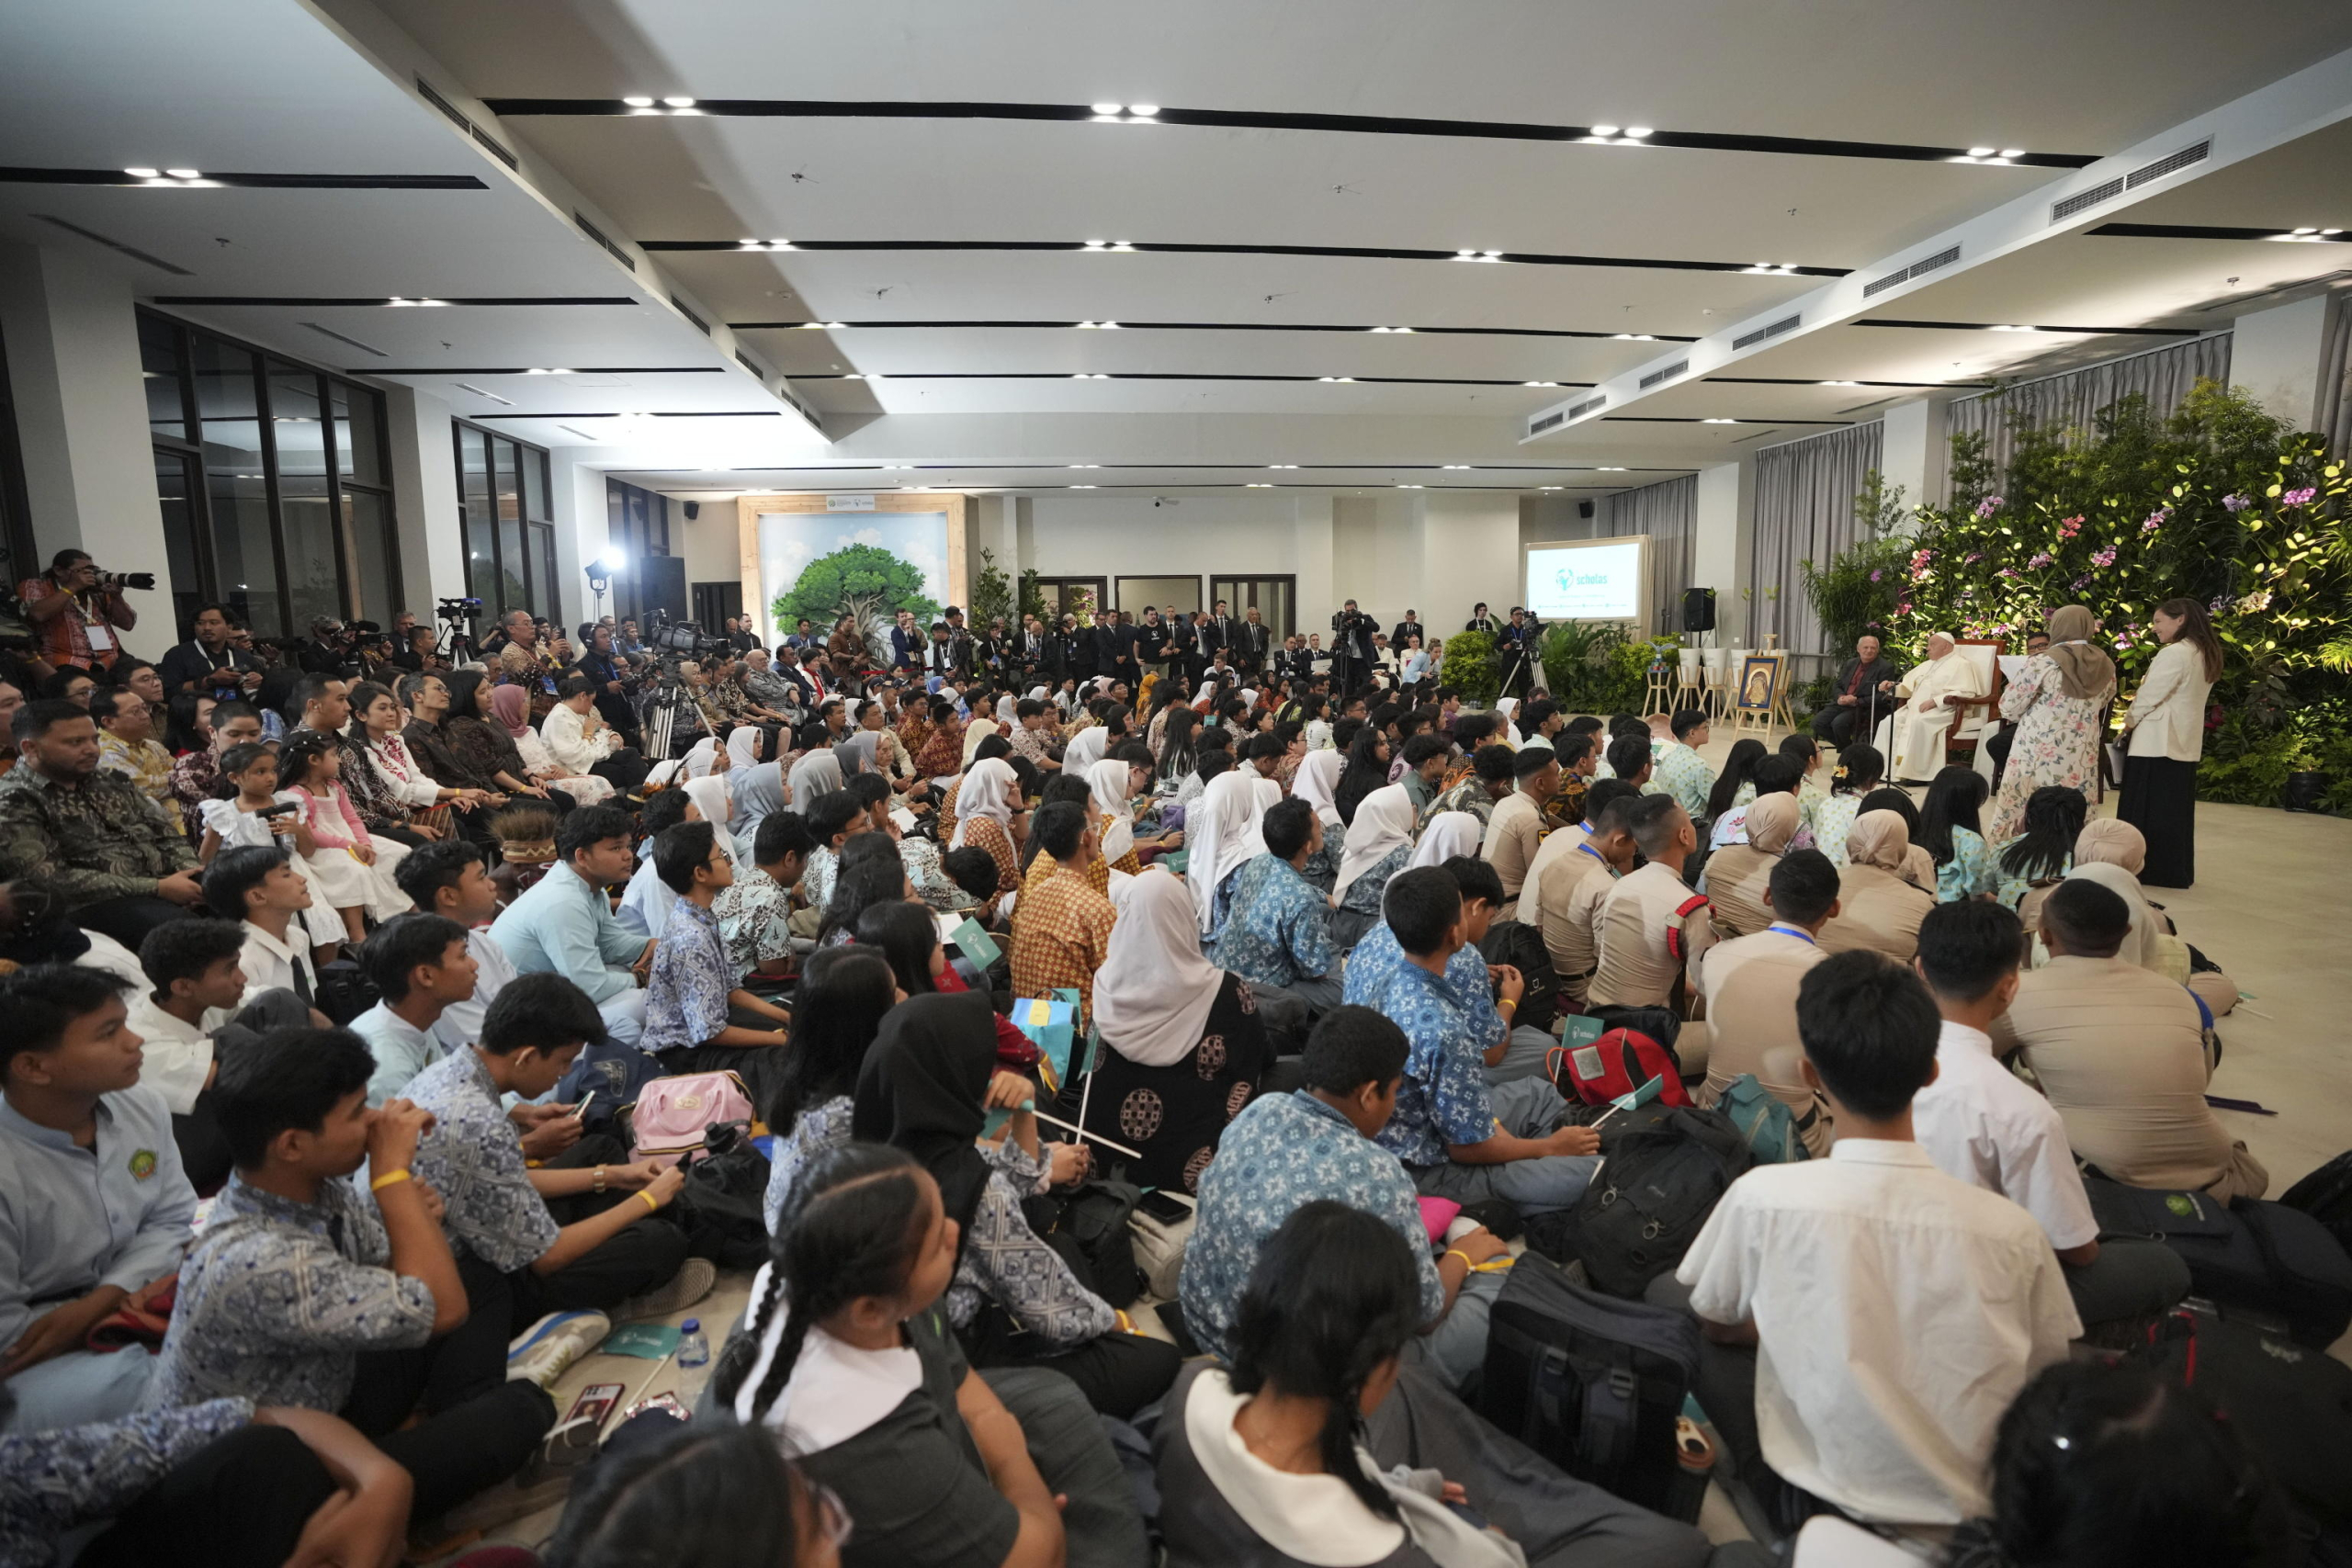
<point>1669,513</point>
<point>2335,379</point>
<point>1804,511</point>
<point>2075,398</point>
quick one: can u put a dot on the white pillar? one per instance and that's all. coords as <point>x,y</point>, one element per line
<point>576,495</point>
<point>1914,451</point>
<point>424,499</point>
<point>2275,354</point>
<point>72,337</point>
<point>1723,536</point>
<point>1469,551</point>
<point>1312,551</point>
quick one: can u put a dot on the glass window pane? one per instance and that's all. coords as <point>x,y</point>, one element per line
<point>474,464</point>
<point>535,485</point>
<point>543,565</point>
<point>159,365</point>
<point>243,553</point>
<point>367,545</point>
<point>359,436</point>
<point>174,493</point>
<point>314,582</point>
<point>512,591</point>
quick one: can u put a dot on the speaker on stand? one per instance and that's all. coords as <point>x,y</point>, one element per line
<point>1698,610</point>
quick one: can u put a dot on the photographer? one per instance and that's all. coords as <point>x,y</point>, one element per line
<point>329,649</point>
<point>78,610</point>
<point>1355,638</point>
<point>209,664</point>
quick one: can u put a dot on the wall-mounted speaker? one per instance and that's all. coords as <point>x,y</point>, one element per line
<point>1584,510</point>
<point>1698,609</point>
<point>694,510</point>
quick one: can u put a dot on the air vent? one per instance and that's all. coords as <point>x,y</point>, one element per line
<point>1749,340</point>
<point>598,235</point>
<point>2163,167</point>
<point>1549,422</point>
<point>700,325</point>
<point>455,118</point>
<point>363,347</point>
<point>1669,373</point>
<point>1919,269</point>
<point>1577,410</point>
<point>748,363</point>
<point>134,252</point>
<point>2082,201</point>
<point>497,152</point>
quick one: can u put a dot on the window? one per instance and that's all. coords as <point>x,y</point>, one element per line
<point>1275,598</point>
<point>508,534</point>
<point>636,524</point>
<point>272,477</point>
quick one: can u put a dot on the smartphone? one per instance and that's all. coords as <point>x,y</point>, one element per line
<point>280,809</point>
<point>579,1111</point>
<point>1166,1210</point>
<point>595,1403</point>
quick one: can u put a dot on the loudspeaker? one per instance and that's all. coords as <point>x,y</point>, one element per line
<point>694,510</point>
<point>1698,609</point>
<point>1584,510</point>
<point>662,584</point>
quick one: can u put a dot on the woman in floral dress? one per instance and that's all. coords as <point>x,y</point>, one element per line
<point>2055,703</point>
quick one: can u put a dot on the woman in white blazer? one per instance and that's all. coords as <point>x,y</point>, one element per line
<point>2165,736</point>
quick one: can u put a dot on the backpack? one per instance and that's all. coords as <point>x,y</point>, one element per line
<point>2264,1258</point>
<point>2326,1196</point>
<point>2291,1405</point>
<point>1520,945</point>
<point>616,1073</point>
<point>1612,1066</point>
<point>1774,1131</point>
<point>1591,1383</point>
<point>722,1207</point>
<point>1089,1228</point>
<point>1664,1167</point>
<point>344,991</point>
<point>673,1115</point>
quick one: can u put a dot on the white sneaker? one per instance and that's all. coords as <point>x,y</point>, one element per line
<point>548,1347</point>
<point>692,1281</point>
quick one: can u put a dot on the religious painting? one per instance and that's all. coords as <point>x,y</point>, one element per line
<point>1759,681</point>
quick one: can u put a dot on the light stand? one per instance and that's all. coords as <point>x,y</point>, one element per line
<point>600,577</point>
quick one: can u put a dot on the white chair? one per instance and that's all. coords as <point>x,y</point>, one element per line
<point>1715,674</point>
<point>1689,687</point>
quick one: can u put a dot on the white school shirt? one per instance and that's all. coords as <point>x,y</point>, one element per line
<point>177,1055</point>
<point>459,1025</point>
<point>271,964</point>
<point>1899,1313</point>
<point>1982,1125</point>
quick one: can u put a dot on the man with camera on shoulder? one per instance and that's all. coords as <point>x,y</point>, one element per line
<point>1355,641</point>
<point>79,612</point>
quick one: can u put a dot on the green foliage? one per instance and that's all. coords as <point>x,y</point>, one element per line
<point>1577,657</point>
<point>991,595</point>
<point>1032,596</point>
<point>1471,667</point>
<point>865,580</point>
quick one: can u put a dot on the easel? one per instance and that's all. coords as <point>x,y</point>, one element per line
<point>1776,713</point>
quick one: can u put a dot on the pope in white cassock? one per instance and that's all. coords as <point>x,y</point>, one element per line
<point>1928,693</point>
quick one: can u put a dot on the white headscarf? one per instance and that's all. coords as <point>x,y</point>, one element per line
<point>1384,823</point>
<point>1319,777</point>
<point>1108,780</point>
<point>987,791</point>
<point>819,773</point>
<point>1449,833</point>
<point>710,797</point>
<point>1213,832</point>
<point>1507,709</point>
<point>742,745</point>
<point>698,761</point>
<point>1153,994</point>
<point>1208,687</point>
<point>1086,749</point>
<point>1253,839</point>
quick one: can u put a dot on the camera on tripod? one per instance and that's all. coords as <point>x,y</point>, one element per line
<point>682,639</point>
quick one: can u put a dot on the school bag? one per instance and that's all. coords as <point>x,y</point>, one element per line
<point>2291,1405</point>
<point>344,991</point>
<point>616,1073</point>
<point>673,1114</point>
<point>1664,1167</point>
<point>2326,1196</point>
<point>1520,945</point>
<point>2245,1257</point>
<point>723,1207</point>
<point>1616,1064</point>
<point>1774,1133</point>
<point>1593,1384</point>
<point>1090,1226</point>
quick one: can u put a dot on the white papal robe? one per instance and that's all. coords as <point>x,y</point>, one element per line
<point>1924,719</point>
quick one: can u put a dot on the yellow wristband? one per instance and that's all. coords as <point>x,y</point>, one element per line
<point>390,1179</point>
<point>1511,1002</point>
<point>650,1204</point>
<point>1457,1252</point>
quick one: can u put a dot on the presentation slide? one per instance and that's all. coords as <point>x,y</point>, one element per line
<point>1600,580</point>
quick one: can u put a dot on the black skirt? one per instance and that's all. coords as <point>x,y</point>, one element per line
<point>2160,799</point>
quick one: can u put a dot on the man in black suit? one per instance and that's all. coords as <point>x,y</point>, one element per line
<point>1354,636</point>
<point>1410,627</point>
<point>1216,632</point>
<point>1028,654</point>
<point>1864,691</point>
<point>1181,645</point>
<point>1114,648</point>
<point>1252,640</point>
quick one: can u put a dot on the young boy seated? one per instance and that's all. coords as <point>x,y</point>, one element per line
<point>1507,1052</point>
<point>607,1244</point>
<point>446,878</point>
<point>303,1291</point>
<point>258,884</point>
<point>1896,1312</point>
<point>695,1000</point>
<point>94,1205</point>
<point>199,986</point>
<point>420,963</point>
<point>755,911</point>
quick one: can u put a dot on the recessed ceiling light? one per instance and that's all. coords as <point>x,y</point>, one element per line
<point>1086,464</point>
<point>145,173</point>
<point>1464,465</point>
<point>1604,131</point>
<point>547,370</point>
<point>1109,108</point>
<point>2012,151</point>
<point>1637,131</point>
<point>184,173</point>
<point>2008,327</point>
<point>1258,484</point>
<point>1143,111</point>
<point>1490,256</point>
<point>638,103</point>
<point>1282,465</point>
<point>1841,383</point>
<point>679,103</point>
<point>1109,326</point>
<point>1466,256</point>
<point>1121,245</point>
<point>1082,487</point>
<point>1547,487</point>
<point>1604,468</point>
<point>1719,421</point>
<point>1637,337</point>
<point>1411,486</point>
<point>1539,383</point>
<point>1980,152</point>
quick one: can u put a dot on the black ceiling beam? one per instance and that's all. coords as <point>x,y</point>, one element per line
<point>525,370</point>
<point>1149,376</point>
<point>1251,119</point>
<point>330,302</point>
<point>2215,232</point>
<point>30,177</point>
<point>1820,381</point>
<point>1226,327</point>
<point>1364,253</point>
<point>1989,327</point>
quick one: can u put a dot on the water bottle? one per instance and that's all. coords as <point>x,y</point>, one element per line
<point>694,1350</point>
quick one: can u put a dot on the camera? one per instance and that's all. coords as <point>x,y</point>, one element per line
<point>114,581</point>
<point>683,637</point>
<point>460,609</point>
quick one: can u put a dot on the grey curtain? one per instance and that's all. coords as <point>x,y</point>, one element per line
<point>1669,513</point>
<point>2164,375</point>
<point>1804,511</point>
<point>2335,379</point>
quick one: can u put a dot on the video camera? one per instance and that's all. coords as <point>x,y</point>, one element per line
<point>681,639</point>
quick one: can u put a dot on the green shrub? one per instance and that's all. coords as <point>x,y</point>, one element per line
<point>1471,668</point>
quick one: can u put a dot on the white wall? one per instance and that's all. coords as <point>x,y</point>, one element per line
<point>2275,354</point>
<point>712,543</point>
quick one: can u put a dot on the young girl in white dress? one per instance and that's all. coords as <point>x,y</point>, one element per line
<point>355,869</point>
<point>237,821</point>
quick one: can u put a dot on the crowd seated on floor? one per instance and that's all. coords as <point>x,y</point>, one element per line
<point>374,1056</point>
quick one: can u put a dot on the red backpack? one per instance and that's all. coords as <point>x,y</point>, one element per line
<point>1614,1065</point>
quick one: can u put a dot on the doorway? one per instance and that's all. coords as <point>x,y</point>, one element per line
<point>1276,598</point>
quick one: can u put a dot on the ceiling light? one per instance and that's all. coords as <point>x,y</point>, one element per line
<point>1604,468</point>
<point>1121,245</point>
<point>1082,487</point>
<point>638,103</point>
<point>1604,131</point>
<point>2012,151</point>
<point>1086,464</point>
<point>1490,256</point>
<point>1719,421</point>
<point>679,103</point>
<point>1411,486</point>
<point>547,370</point>
<point>184,173</point>
<point>781,244</point>
<point>2331,230</point>
<point>1454,466</point>
<point>1980,152</point>
<point>2008,327</point>
<point>1258,484</point>
<point>1466,256</point>
<point>145,173</point>
<point>1109,326</point>
<point>1841,383</point>
<point>1110,108</point>
<point>1636,337</point>
<point>1143,111</point>
<point>1637,131</point>
<point>1282,465</point>
<point>1539,383</point>
<point>1547,487</point>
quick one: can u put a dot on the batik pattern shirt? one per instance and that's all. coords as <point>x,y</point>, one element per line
<point>817,877</point>
<point>1277,930</point>
<point>1378,957</point>
<point>144,764</point>
<point>751,914</point>
<point>1364,895</point>
<point>813,1132</point>
<point>52,1481</point>
<point>473,1158</point>
<point>1444,1099</point>
<point>1007,1262</point>
<point>1061,937</point>
<point>927,872</point>
<point>1470,795</point>
<point>194,778</point>
<point>1680,771</point>
<point>279,1298</point>
<point>942,754</point>
<point>1283,1152</point>
<point>686,1002</point>
<point>103,840</point>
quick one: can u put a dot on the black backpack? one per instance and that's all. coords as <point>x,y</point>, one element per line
<point>1592,1384</point>
<point>2247,1256</point>
<point>723,1207</point>
<point>1088,1227</point>
<point>1520,944</point>
<point>2291,1405</point>
<point>344,991</point>
<point>2326,1196</point>
<point>1664,1169</point>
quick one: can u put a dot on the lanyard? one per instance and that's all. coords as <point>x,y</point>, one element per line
<point>1805,937</point>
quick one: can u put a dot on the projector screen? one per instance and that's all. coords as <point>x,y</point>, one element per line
<point>1588,579</point>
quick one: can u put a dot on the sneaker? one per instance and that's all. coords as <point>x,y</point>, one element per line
<point>552,1343</point>
<point>544,1481</point>
<point>692,1281</point>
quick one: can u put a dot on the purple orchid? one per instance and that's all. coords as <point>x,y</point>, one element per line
<point>2237,503</point>
<point>2298,497</point>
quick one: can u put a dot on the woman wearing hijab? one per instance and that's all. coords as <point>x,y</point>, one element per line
<point>2114,854</point>
<point>1316,784</point>
<point>510,710</point>
<point>1187,1046</point>
<point>1737,873</point>
<point>1918,865</point>
<point>987,802</point>
<point>756,790</point>
<point>2055,703</point>
<point>1878,909</point>
<point>2165,735</point>
<point>927,1087</point>
<point>1380,840</point>
<point>1449,833</point>
<point>816,774</point>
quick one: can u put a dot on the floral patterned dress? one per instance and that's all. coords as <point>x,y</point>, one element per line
<point>2057,743</point>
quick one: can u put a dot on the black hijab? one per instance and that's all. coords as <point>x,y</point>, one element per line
<point>921,1090</point>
